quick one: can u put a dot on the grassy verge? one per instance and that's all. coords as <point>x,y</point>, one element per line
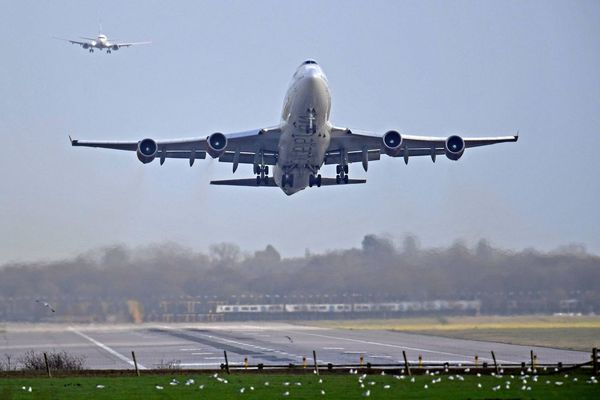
<point>575,333</point>
<point>299,387</point>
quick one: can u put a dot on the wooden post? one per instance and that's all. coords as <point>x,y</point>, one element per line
<point>595,360</point>
<point>495,363</point>
<point>137,371</point>
<point>226,362</point>
<point>406,363</point>
<point>532,359</point>
<point>47,365</point>
<point>316,364</point>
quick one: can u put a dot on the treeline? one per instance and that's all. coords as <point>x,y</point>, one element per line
<point>379,268</point>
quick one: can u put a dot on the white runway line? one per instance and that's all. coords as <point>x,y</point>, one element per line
<point>202,354</point>
<point>106,348</point>
<point>394,346</point>
<point>333,348</point>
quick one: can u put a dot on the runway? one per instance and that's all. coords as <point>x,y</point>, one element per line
<point>202,345</point>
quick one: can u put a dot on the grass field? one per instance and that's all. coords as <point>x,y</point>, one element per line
<point>575,333</point>
<point>301,387</point>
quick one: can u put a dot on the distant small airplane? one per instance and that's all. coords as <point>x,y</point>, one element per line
<point>46,304</point>
<point>101,42</point>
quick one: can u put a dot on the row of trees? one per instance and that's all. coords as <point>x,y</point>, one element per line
<point>379,267</point>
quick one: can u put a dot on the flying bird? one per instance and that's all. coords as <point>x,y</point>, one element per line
<point>46,304</point>
<point>290,339</point>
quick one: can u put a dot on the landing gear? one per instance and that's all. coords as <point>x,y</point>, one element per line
<point>91,50</point>
<point>342,174</point>
<point>108,52</point>
<point>262,174</point>
<point>287,180</point>
<point>314,180</point>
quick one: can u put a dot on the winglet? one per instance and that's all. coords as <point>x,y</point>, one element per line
<point>517,136</point>
<point>73,141</point>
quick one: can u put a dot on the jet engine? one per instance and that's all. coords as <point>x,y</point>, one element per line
<point>86,46</point>
<point>146,151</point>
<point>216,144</point>
<point>392,140</point>
<point>115,47</point>
<point>454,147</point>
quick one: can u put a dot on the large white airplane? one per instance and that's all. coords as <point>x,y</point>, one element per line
<point>301,144</point>
<point>101,42</point>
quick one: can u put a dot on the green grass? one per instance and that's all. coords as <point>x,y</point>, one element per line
<point>335,387</point>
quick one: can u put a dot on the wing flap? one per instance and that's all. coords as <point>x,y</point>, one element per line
<point>247,158</point>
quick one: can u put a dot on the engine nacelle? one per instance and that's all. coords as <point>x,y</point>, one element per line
<point>392,141</point>
<point>115,47</point>
<point>86,46</point>
<point>454,147</point>
<point>216,144</point>
<point>146,151</point>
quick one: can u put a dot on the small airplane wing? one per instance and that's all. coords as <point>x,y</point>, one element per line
<point>242,147</point>
<point>74,41</point>
<point>129,44</point>
<point>363,146</point>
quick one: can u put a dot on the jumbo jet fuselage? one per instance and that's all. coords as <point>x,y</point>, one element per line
<point>305,129</point>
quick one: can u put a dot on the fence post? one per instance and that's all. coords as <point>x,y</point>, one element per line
<point>595,360</point>
<point>495,363</point>
<point>226,361</point>
<point>532,359</point>
<point>420,361</point>
<point>47,365</point>
<point>137,371</point>
<point>406,363</point>
<point>316,365</point>
<point>303,361</point>
<point>476,361</point>
<point>245,362</point>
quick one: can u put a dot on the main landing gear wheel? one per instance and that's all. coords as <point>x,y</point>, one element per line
<point>262,174</point>
<point>342,174</point>
<point>314,181</point>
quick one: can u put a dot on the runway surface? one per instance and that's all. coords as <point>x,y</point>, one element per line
<point>202,345</point>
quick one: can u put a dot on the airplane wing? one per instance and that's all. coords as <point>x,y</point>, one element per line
<point>74,41</point>
<point>248,147</point>
<point>129,44</point>
<point>363,146</point>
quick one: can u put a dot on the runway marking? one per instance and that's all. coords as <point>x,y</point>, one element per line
<point>379,356</point>
<point>333,348</point>
<point>202,354</point>
<point>106,348</point>
<point>394,346</point>
<point>355,352</point>
<point>190,349</point>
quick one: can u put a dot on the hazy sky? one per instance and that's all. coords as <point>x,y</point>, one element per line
<point>421,67</point>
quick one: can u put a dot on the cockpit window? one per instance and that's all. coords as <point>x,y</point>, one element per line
<point>309,62</point>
